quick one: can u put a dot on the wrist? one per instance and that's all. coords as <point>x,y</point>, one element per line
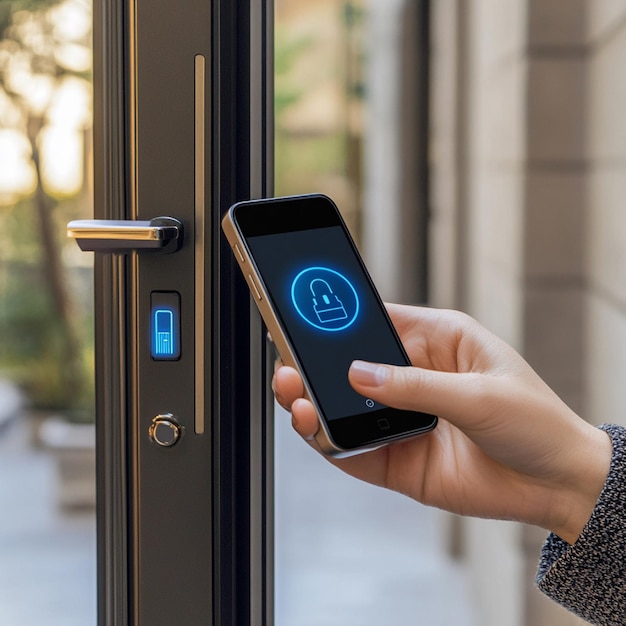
<point>590,467</point>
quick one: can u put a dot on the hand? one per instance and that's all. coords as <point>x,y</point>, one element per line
<point>506,446</point>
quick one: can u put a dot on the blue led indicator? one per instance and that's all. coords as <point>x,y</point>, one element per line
<point>165,325</point>
<point>325,298</point>
<point>164,337</point>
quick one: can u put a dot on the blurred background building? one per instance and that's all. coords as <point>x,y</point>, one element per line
<point>527,228</point>
<point>477,149</point>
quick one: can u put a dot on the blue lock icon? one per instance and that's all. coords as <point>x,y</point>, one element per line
<point>327,306</point>
<point>324,298</point>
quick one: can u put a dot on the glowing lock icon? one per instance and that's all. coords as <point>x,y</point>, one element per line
<point>324,298</point>
<point>328,307</point>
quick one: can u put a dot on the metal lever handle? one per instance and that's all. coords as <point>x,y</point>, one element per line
<point>161,234</point>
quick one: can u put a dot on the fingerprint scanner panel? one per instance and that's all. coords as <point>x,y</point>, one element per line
<point>165,325</point>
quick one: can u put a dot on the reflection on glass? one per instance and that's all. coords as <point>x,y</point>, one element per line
<point>345,552</point>
<point>319,101</point>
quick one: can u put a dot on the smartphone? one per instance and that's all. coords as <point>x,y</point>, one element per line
<point>323,312</point>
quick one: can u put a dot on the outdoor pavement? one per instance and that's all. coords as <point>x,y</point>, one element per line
<point>350,554</point>
<point>347,554</point>
<point>47,559</point>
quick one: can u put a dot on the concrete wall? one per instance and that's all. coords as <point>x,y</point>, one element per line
<point>527,221</point>
<point>528,229</point>
<point>605,303</point>
<point>495,148</point>
<point>393,243</point>
<point>555,205</point>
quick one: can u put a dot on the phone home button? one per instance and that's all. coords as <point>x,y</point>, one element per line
<point>383,424</point>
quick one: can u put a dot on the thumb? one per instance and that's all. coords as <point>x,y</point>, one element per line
<point>459,397</point>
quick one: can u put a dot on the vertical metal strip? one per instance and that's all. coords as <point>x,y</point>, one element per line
<point>132,304</point>
<point>268,435</point>
<point>111,193</point>
<point>131,336</point>
<point>261,448</point>
<point>133,184</point>
<point>256,112</point>
<point>200,113</point>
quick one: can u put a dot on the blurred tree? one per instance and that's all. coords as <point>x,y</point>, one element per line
<point>34,62</point>
<point>287,52</point>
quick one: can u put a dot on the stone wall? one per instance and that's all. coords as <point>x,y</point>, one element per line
<point>528,229</point>
<point>605,301</point>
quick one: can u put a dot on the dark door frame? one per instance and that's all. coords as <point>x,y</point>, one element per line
<point>223,477</point>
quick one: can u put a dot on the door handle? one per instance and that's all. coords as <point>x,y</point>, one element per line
<point>160,234</point>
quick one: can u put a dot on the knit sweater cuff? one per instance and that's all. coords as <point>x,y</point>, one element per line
<point>589,577</point>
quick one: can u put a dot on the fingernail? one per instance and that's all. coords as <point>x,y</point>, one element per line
<point>369,374</point>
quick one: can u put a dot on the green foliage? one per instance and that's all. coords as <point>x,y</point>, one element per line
<point>287,52</point>
<point>33,346</point>
<point>9,7</point>
<point>46,343</point>
<point>316,160</point>
<point>353,15</point>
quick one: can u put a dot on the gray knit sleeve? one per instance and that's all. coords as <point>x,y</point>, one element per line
<point>589,577</point>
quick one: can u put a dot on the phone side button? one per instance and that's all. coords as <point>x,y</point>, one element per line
<point>255,289</point>
<point>238,253</point>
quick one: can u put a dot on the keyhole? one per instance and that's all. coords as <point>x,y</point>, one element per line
<point>325,298</point>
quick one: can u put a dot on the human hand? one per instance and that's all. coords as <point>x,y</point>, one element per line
<point>505,447</point>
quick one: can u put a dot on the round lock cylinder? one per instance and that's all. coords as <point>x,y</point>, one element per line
<point>164,430</point>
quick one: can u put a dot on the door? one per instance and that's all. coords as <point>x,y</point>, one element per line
<point>183,109</point>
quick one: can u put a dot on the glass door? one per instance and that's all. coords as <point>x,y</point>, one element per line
<point>183,105</point>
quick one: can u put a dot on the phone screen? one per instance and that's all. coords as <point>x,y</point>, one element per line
<point>329,311</point>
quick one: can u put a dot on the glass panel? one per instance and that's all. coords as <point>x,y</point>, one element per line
<point>346,552</point>
<point>47,463</point>
<point>319,101</point>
